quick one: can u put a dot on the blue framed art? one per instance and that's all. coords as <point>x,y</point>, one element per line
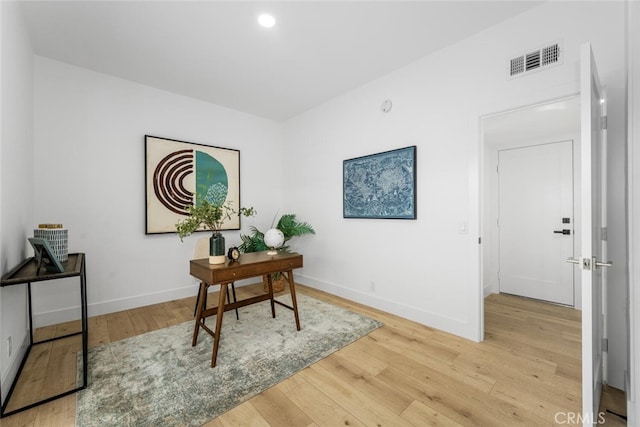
<point>381,185</point>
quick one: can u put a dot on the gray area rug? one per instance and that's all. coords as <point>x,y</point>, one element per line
<point>159,379</point>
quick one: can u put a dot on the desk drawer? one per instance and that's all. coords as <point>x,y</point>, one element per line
<point>255,270</point>
<point>233,275</point>
<point>288,264</point>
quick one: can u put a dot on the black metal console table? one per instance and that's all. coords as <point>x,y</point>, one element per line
<point>28,271</point>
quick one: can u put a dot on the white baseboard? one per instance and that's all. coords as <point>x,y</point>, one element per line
<point>96,309</point>
<point>415,314</point>
<point>68,314</point>
<point>13,365</point>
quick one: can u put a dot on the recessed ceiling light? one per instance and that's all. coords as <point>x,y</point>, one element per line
<point>266,20</point>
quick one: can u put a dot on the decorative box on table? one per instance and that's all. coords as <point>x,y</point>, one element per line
<point>58,238</point>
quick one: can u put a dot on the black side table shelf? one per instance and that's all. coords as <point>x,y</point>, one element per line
<point>27,272</point>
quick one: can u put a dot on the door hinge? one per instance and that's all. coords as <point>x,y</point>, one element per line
<point>479,240</point>
<point>604,234</point>
<point>605,344</point>
<point>603,122</point>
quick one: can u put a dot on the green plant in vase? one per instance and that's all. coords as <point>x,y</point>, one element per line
<point>290,228</point>
<point>209,215</point>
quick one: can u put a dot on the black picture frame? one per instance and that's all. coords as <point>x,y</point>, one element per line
<point>44,256</point>
<point>381,185</point>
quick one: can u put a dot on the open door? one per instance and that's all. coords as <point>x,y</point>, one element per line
<point>593,232</point>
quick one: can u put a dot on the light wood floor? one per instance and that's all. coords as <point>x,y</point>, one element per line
<point>526,372</point>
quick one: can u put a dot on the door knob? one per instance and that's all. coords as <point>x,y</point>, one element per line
<point>603,264</point>
<point>565,231</point>
<point>587,263</point>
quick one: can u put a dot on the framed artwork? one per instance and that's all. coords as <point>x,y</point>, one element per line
<point>44,256</point>
<point>381,185</point>
<point>179,174</point>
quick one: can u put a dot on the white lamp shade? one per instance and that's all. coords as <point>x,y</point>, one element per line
<point>273,238</point>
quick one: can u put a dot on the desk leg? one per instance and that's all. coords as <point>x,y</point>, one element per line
<point>273,304</point>
<point>216,338</point>
<point>292,289</point>
<point>202,296</point>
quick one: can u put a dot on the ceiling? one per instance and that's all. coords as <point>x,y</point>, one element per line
<point>216,52</point>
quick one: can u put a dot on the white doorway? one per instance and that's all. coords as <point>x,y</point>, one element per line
<point>535,221</point>
<point>529,129</point>
<point>591,208</point>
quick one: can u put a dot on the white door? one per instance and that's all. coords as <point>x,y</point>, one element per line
<point>535,223</point>
<point>590,262</point>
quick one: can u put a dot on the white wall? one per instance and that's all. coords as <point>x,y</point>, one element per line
<point>89,170</point>
<point>16,181</point>
<point>425,269</point>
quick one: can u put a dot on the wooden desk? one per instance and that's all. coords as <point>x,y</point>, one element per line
<point>27,272</point>
<point>255,264</point>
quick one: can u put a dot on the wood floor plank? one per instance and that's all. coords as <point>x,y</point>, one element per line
<point>244,414</point>
<point>538,400</point>
<point>359,356</point>
<point>60,412</point>
<point>98,331</point>
<point>368,410</point>
<point>465,406</point>
<point>613,407</point>
<point>119,326</point>
<point>415,344</point>
<point>366,383</point>
<point>420,414</point>
<point>322,409</point>
<point>423,366</point>
<point>278,410</point>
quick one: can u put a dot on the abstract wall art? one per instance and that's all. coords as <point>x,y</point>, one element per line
<point>381,185</point>
<point>179,173</point>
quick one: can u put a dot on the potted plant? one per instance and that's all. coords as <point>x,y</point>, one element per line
<point>290,228</point>
<point>210,216</point>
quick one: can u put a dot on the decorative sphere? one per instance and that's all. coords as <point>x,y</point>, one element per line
<point>273,238</point>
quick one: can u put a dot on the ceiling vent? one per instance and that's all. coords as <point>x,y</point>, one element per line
<point>535,60</point>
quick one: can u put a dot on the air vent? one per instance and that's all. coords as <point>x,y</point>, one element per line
<point>517,65</point>
<point>550,54</point>
<point>534,60</point>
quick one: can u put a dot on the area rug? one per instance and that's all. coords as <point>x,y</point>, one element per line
<point>159,379</point>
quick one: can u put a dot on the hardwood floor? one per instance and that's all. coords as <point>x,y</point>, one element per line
<point>526,372</point>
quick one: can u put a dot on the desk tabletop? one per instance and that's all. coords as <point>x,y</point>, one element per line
<point>248,265</point>
<point>26,271</point>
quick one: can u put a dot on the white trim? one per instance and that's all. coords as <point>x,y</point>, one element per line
<point>67,314</point>
<point>453,326</point>
<point>632,379</point>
